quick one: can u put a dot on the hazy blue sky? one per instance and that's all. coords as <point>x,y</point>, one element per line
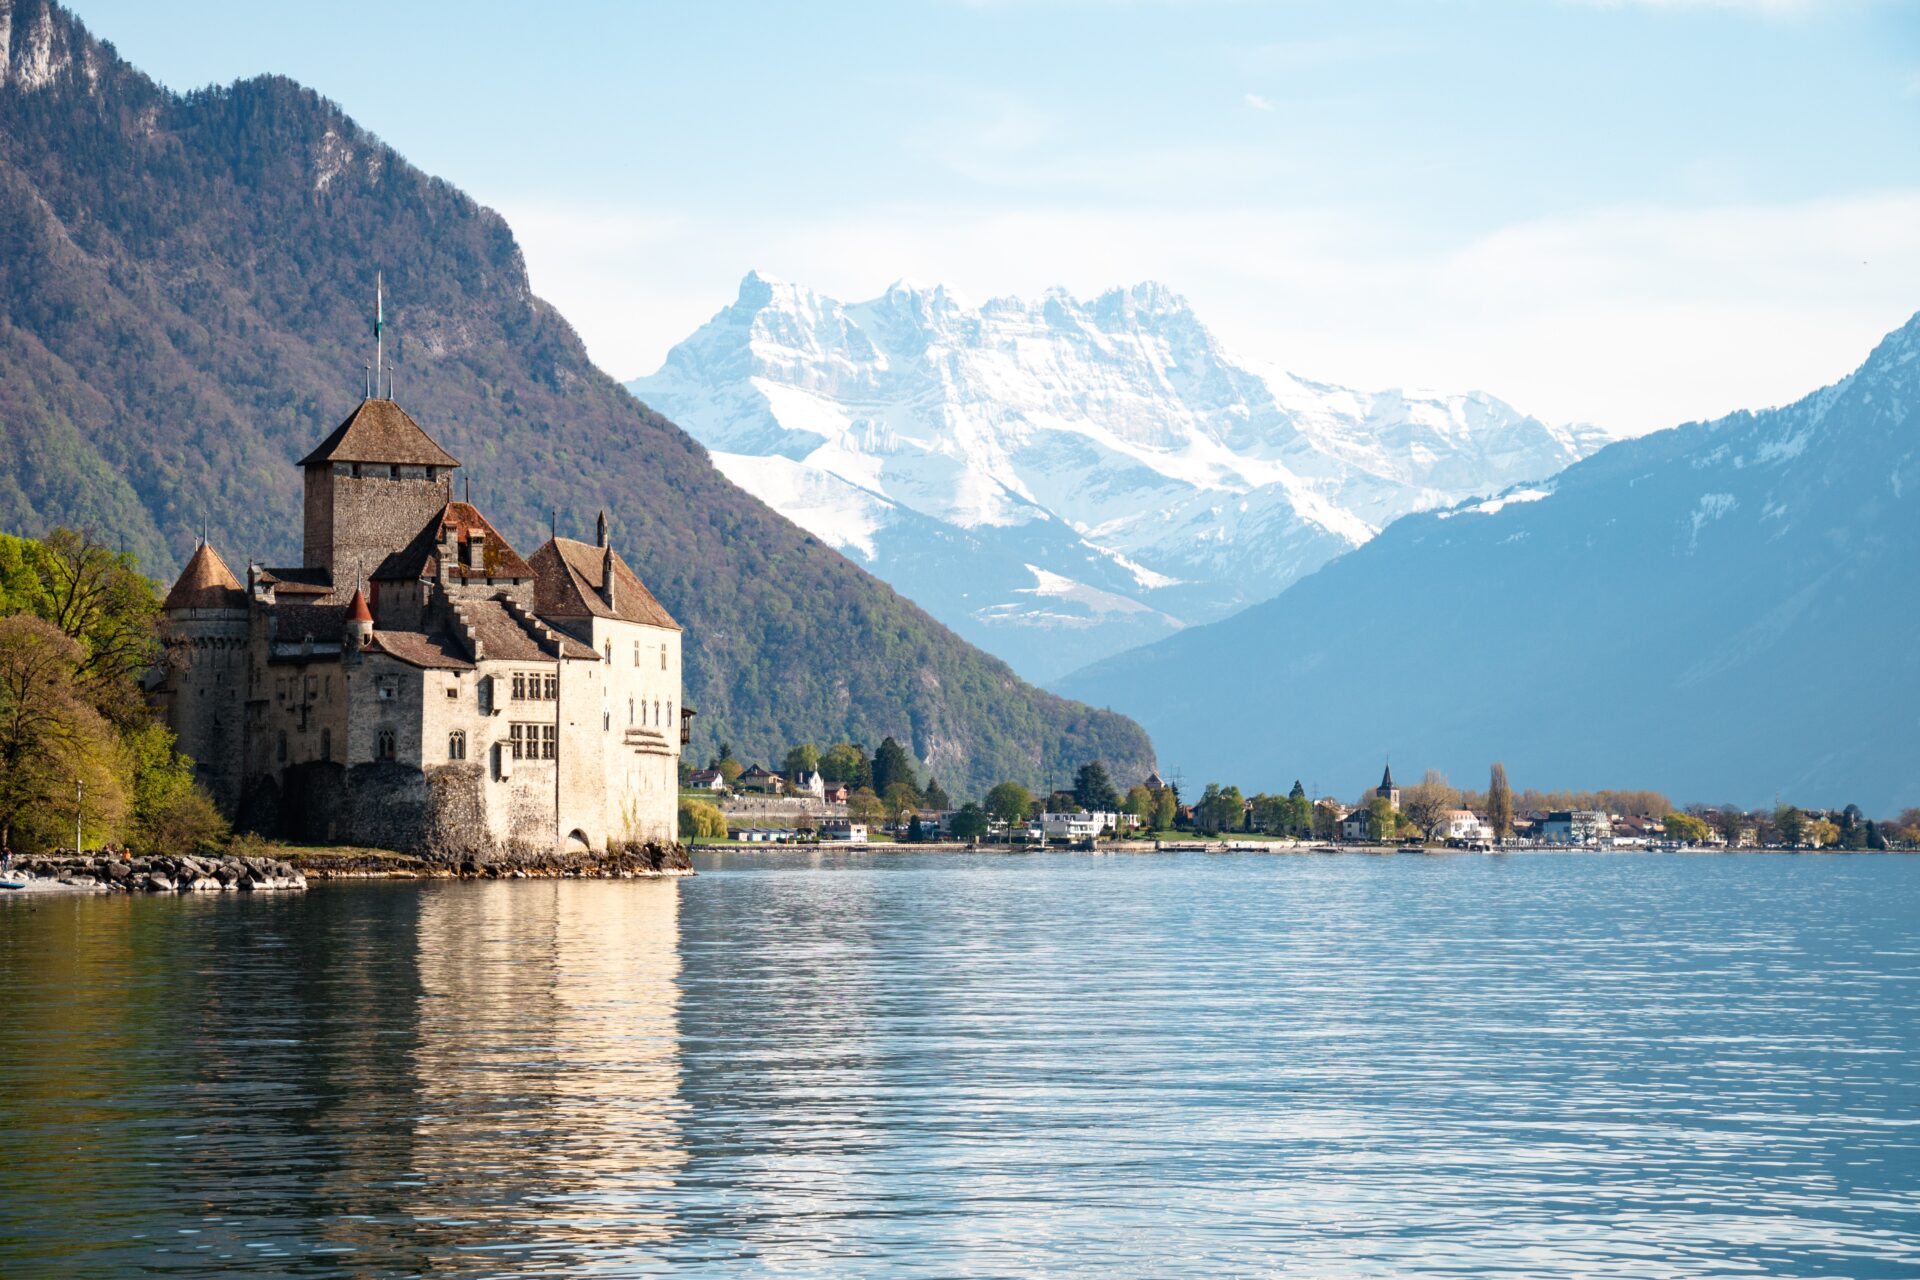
<point>1632,212</point>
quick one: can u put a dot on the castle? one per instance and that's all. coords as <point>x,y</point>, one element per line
<point>415,684</point>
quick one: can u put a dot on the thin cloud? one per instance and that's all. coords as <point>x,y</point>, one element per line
<point>1258,103</point>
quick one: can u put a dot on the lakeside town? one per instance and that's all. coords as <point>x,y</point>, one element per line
<point>844,797</point>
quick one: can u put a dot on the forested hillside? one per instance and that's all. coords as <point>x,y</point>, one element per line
<point>186,287</point>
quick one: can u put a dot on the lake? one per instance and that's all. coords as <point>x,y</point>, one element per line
<point>979,1065</point>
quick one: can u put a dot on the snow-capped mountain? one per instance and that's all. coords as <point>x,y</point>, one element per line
<point>1724,611</point>
<point>1059,480</point>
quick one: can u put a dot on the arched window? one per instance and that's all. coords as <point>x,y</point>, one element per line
<point>630,719</point>
<point>663,657</point>
<point>656,713</point>
<point>383,745</point>
<point>457,745</point>
<point>326,744</point>
<point>636,653</point>
<point>609,651</point>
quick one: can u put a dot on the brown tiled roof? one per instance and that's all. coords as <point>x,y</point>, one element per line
<point>357,610</point>
<point>421,557</point>
<point>501,634</point>
<point>326,623</point>
<point>298,582</point>
<point>206,583</point>
<point>568,582</point>
<point>415,649</point>
<point>380,431</point>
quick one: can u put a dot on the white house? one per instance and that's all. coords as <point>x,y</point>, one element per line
<point>808,782</point>
<point>843,831</point>
<point>1083,825</point>
<point>1465,826</point>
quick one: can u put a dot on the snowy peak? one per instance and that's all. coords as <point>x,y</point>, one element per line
<point>1108,443</point>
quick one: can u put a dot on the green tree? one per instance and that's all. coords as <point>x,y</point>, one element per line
<point>892,765</point>
<point>1500,803</point>
<point>970,823</point>
<point>936,796</point>
<point>52,738</point>
<point>1822,834</point>
<point>1792,825</point>
<point>1382,819</point>
<point>170,813</point>
<point>1093,790</point>
<point>1685,828</point>
<point>701,821</point>
<point>1139,802</point>
<point>1166,806</point>
<point>1009,803</point>
<point>864,806</point>
<point>800,760</point>
<point>846,762</point>
<point>901,799</point>
<point>1220,809</point>
<point>914,832</point>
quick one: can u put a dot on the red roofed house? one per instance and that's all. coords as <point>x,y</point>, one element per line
<point>415,684</point>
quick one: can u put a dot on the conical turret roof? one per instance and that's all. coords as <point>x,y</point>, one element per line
<point>206,583</point>
<point>1386,779</point>
<point>357,610</point>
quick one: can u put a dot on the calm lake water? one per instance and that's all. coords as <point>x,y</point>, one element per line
<point>979,1066</point>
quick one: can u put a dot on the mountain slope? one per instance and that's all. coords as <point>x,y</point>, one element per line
<point>1723,610</point>
<point>187,286</point>
<point>1063,479</point>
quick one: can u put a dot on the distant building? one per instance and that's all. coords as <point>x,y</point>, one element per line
<point>1154,782</point>
<point>1357,826</point>
<point>807,782</point>
<point>1387,790</point>
<point>1083,825</point>
<point>1575,826</point>
<point>760,781</point>
<point>843,831</point>
<point>834,792</point>
<point>1465,826</point>
<point>706,780</point>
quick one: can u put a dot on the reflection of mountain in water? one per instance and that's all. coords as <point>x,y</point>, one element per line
<point>548,1068</point>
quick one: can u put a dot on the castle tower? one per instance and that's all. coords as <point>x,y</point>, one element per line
<point>371,486</point>
<point>203,633</point>
<point>1386,790</point>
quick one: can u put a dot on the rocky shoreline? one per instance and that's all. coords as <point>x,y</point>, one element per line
<point>162,874</point>
<point>632,862</point>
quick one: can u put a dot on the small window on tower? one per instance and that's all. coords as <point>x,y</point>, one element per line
<point>663,657</point>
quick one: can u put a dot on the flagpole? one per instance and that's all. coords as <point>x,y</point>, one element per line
<point>379,338</point>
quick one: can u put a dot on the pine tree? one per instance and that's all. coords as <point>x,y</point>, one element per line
<point>891,767</point>
<point>1093,790</point>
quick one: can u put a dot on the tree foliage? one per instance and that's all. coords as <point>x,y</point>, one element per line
<point>1499,804</point>
<point>1685,828</point>
<point>700,820</point>
<point>1093,790</point>
<point>1428,802</point>
<point>893,767</point>
<point>1009,802</point>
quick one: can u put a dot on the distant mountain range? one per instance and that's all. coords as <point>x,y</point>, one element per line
<point>1059,480</point>
<point>186,292</point>
<point>1725,611</point>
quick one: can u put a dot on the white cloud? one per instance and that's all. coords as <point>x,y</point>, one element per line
<point>1634,318</point>
<point>1258,103</point>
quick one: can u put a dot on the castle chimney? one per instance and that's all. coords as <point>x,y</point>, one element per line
<point>606,573</point>
<point>602,527</point>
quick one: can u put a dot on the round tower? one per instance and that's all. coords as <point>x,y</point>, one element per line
<point>203,633</point>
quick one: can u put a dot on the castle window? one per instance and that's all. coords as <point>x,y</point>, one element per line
<point>457,745</point>
<point>606,720</point>
<point>326,744</point>
<point>313,687</point>
<point>553,687</point>
<point>630,711</point>
<point>280,690</point>
<point>532,741</point>
<point>453,690</point>
<point>283,746</point>
<point>609,647</point>
<point>663,657</point>
<point>636,653</point>
<point>328,695</point>
<point>383,745</point>
<point>656,712</point>
<point>519,686</point>
<point>669,711</point>
<point>385,689</point>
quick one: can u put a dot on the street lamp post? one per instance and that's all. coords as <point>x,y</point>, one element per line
<point>79,807</point>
